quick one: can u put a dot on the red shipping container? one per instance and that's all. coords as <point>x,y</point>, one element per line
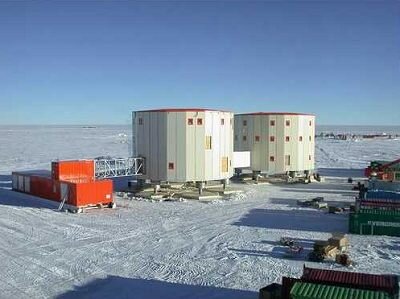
<point>287,284</point>
<point>45,188</point>
<point>90,193</point>
<point>73,169</point>
<point>80,193</point>
<point>385,283</point>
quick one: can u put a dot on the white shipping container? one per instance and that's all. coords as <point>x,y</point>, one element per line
<point>15,182</point>
<point>182,145</point>
<point>241,159</point>
<point>278,142</point>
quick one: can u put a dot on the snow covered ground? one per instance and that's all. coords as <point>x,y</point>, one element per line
<point>142,249</point>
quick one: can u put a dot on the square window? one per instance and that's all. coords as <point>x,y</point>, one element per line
<point>170,165</point>
<point>272,138</point>
<point>244,138</point>
<point>287,138</point>
<point>257,138</point>
<point>140,121</point>
<point>287,123</point>
<point>222,121</point>
<point>300,138</point>
<point>245,123</point>
<point>272,123</point>
<point>190,121</point>
<point>271,158</point>
<point>199,121</point>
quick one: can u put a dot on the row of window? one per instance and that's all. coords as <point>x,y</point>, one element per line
<point>190,121</point>
<point>171,165</point>
<point>272,123</point>
<point>287,159</point>
<point>225,164</point>
<point>271,138</point>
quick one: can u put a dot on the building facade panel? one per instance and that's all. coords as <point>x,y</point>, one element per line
<point>181,145</point>
<point>278,142</point>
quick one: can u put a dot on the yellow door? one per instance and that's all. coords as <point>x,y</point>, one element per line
<point>224,164</point>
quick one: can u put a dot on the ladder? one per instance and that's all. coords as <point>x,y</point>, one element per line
<point>65,198</point>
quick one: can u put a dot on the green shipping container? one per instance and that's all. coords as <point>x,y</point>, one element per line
<point>397,176</point>
<point>393,215</point>
<point>305,290</point>
<point>375,222</point>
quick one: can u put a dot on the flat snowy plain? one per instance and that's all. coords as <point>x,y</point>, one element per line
<point>142,249</point>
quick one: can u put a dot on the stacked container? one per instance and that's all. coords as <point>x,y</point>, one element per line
<point>72,169</point>
<point>304,290</point>
<point>330,284</point>
<point>376,214</point>
<point>373,282</point>
<point>73,181</point>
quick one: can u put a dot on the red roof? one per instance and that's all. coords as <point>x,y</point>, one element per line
<point>181,110</point>
<point>274,113</point>
<point>368,281</point>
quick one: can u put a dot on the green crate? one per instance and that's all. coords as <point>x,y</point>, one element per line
<point>375,223</point>
<point>305,290</point>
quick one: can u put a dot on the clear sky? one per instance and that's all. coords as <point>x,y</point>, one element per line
<point>92,62</point>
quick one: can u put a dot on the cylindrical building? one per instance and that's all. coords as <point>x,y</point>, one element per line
<point>278,142</point>
<point>184,145</point>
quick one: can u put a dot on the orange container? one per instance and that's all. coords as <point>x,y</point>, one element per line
<point>79,192</point>
<point>73,169</point>
<point>90,193</point>
<point>38,183</point>
<point>45,188</point>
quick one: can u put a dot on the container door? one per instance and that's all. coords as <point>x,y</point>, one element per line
<point>224,164</point>
<point>15,182</point>
<point>366,229</point>
<point>21,183</point>
<point>64,192</point>
<point>27,184</point>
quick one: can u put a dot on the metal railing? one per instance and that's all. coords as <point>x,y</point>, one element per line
<point>118,167</point>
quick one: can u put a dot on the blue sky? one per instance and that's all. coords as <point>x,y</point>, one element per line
<point>92,62</point>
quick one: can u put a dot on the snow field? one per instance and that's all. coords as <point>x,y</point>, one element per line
<point>142,249</point>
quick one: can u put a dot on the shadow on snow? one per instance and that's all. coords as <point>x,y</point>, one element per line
<point>341,172</point>
<point>302,220</point>
<point>120,287</point>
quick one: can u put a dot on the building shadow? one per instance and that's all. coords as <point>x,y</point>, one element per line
<point>133,288</point>
<point>341,172</point>
<point>18,199</point>
<point>279,251</point>
<point>290,202</point>
<point>301,220</point>
<point>394,246</point>
<point>305,243</point>
<point>5,182</point>
<point>121,183</point>
<point>321,191</point>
